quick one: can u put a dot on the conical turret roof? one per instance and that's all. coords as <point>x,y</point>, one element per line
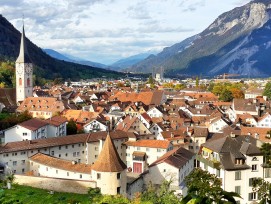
<point>109,160</point>
<point>23,55</point>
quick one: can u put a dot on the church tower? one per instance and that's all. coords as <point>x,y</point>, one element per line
<point>24,72</point>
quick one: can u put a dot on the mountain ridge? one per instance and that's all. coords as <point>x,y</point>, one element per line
<point>228,27</point>
<point>44,65</point>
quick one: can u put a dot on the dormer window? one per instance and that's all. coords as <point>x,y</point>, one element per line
<point>239,161</point>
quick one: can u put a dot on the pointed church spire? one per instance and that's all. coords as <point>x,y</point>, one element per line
<point>109,160</point>
<point>23,56</point>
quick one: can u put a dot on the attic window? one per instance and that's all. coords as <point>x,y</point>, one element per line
<point>254,159</point>
<point>239,161</point>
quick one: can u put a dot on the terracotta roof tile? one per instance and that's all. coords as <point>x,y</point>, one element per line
<point>164,144</point>
<point>33,124</point>
<point>176,157</point>
<point>109,160</point>
<point>54,162</point>
<point>56,120</point>
<point>47,104</point>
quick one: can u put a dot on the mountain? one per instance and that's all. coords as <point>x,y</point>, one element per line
<point>45,66</point>
<point>70,58</point>
<point>129,61</point>
<point>236,42</point>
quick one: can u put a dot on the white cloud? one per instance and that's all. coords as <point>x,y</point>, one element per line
<point>107,30</point>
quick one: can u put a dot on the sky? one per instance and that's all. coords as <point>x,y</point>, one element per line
<point>108,30</point>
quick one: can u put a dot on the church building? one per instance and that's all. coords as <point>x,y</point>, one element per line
<point>24,72</point>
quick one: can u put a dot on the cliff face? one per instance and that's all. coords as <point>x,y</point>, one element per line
<point>45,66</point>
<point>226,35</point>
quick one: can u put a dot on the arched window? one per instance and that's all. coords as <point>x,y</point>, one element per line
<point>20,81</point>
<point>28,82</point>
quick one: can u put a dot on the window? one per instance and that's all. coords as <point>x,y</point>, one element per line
<point>22,153</point>
<point>96,148</point>
<point>158,150</point>
<point>138,148</point>
<point>118,190</point>
<point>59,147</point>
<point>22,170</point>
<point>238,175</point>
<point>68,174</point>
<point>59,155</point>
<point>23,162</point>
<point>66,154</point>
<point>267,172</point>
<point>46,168</point>
<point>118,175</point>
<point>52,153</point>
<point>254,167</point>
<point>72,146</point>
<point>28,82</point>
<point>74,154</point>
<point>251,181</point>
<point>81,176</point>
<point>14,163</point>
<point>252,196</point>
<point>56,171</point>
<point>96,156</point>
<point>98,176</point>
<point>147,149</point>
<point>238,189</point>
<point>66,146</point>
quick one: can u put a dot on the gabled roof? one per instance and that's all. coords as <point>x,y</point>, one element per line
<point>230,149</point>
<point>109,160</point>
<point>56,120</point>
<point>58,163</point>
<point>177,158</point>
<point>33,124</point>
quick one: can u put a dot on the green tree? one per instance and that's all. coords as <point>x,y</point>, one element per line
<point>267,90</point>
<point>266,150</point>
<point>263,188</point>
<point>179,87</point>
<point>204,187</point>
<point>150,80</point>
<point>226,95</point>
<point>197,81</point>
<point>71,127</point>
<point>162,195</point>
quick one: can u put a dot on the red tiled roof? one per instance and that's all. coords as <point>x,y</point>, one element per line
<point>33,124</point>
<point>57,163</point>
<point>109,160</point>
<point>164,144</point>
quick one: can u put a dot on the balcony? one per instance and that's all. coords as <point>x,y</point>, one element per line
<point>212,163</point>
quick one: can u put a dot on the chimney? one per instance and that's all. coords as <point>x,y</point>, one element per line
<point>171,135</point>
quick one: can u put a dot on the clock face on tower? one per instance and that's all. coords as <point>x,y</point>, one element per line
<point>28,69</point>
<point>20,69</point>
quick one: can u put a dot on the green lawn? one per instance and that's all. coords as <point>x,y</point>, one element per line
<point>29,195</point>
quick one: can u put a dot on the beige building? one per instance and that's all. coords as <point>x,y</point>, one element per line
<point>141,153</point>
<point>109,171</point>
<point>41,107</point>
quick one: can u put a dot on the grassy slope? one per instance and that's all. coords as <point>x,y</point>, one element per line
<point>29,195</point>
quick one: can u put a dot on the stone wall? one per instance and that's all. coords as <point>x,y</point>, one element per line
<point>55,184</point>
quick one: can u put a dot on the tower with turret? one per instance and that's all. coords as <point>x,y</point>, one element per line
<point>24,72</point>
<point>109,171</point>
